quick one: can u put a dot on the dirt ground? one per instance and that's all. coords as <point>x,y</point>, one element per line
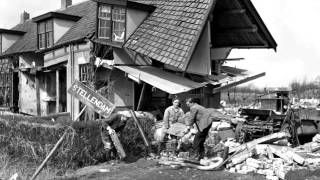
<point>148,170</point>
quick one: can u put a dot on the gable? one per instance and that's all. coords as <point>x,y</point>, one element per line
<point>170,33</point>
<point>236,23</point>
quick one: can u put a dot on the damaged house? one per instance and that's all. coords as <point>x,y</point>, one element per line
<point>136,53</point>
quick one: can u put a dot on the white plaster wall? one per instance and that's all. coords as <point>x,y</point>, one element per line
<point>27,86</point>
<point>8,40</point>
<point>60,27</point>
<point>27,59</point>
<point>220,53</point>
<point>134,19</point>
<point>200,60</point>
<point>27,94</point>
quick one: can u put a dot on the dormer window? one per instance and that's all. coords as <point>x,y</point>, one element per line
<point>111,23</point>
<point>45,34</point>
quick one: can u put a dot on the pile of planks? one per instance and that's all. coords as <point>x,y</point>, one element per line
<point>273,161</point>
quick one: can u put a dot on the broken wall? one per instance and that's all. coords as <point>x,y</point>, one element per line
<point>27,84</point>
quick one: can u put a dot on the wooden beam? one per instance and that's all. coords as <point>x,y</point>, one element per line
<point>231,59</point>
<point>38,94</point>
<point>269,138</point>
<point>238,82</point>
<point>233,12</point>
<point>144,137</point>
<point>49,155</point>
<point>251,29</point>
<point>57,91</point>
<point>141,96</point>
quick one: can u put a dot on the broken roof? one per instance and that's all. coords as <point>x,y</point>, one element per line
<point>171,32</point>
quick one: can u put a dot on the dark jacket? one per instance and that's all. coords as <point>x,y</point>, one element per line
<point>114,121</point>
<point>199,115</point>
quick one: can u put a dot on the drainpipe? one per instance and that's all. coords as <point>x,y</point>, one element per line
<point>70,79</point>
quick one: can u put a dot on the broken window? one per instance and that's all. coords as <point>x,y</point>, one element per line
<point>45,34</point>
<point>85,72</point>
<point>111,23</point>
<point>5,83</point>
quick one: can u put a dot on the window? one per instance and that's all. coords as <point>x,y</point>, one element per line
<point>118,24</point>
<point>111,22</point>
<point>5,83</point>
<point>45,34</point>
<point>104,22</point>
<point>85,72</point>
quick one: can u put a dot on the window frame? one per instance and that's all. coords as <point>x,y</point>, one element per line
<point>85,72</point>
<point>45,34</point>
<point>110,39</point>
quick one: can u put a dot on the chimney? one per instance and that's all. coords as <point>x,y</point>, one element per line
<point>65,4</point>
<point>24,17</point>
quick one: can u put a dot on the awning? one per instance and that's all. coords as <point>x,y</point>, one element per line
<point>165,81</point>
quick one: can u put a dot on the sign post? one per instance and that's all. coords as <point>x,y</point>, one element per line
<point>91,99</point>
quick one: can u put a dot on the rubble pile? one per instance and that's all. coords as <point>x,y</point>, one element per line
<point>276,161</point>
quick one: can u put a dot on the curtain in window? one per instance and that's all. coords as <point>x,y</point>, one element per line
<point>104,22</point>
<point>118,24</point>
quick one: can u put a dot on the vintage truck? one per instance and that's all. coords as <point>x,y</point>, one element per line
<point>273,112</point>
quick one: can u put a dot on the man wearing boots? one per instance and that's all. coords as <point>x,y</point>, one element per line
<point>117,122</point>
<point>200,116</point>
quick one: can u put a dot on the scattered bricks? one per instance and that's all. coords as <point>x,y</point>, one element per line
<point>269,153</point>
<point>232,170</point>
<point>247,169</point>
<point>279,169</point>
<point>281,153</point>
<point>261,149</point>
<point>268,138</point>
<point>287,154</point>
<point>238,167</point>
<point>252,163</point>
<point>239,158</point>
<point>272,178</point>
<point>316,138</point>
<point>297,158</point>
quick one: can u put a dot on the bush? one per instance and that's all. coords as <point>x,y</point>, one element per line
<point>33,138</point>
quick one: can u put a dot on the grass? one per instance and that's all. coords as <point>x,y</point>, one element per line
<point>25,169</point>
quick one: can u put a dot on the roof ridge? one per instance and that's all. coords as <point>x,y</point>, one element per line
<point>73,5</point>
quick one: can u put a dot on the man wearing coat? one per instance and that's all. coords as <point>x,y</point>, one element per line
<point>201,117</point>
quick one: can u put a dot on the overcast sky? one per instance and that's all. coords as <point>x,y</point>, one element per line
<point>293,24</point>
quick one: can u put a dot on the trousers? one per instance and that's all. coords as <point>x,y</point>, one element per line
<point>199,139</point>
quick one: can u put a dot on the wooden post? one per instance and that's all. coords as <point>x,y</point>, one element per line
<point>57,91</point>
<point>146,142</point>
<point>49,156</point>
<point>141,96</point>
<point>38,94</point>
<point>81,112</point>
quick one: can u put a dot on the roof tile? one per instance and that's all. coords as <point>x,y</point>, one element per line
<point>175,25</point>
